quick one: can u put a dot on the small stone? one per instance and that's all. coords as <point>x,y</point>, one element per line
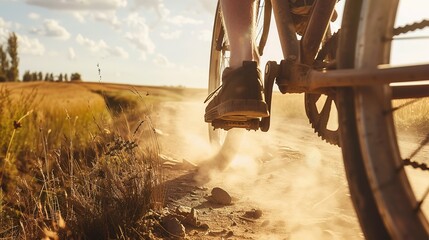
<point>254,213</point>
<point>182,210</point>
<point>229,234</point>
<point>220,196</point>
<point>173,226</point>
<point>217,233</point>
<point>192,218</point>
<point>204,226</point>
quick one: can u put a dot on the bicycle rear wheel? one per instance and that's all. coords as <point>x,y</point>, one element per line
<point>387,205</point>
<point>219,60</point>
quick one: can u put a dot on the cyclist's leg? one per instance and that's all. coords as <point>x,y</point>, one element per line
<point>240,97</point>
<point>239,21</point>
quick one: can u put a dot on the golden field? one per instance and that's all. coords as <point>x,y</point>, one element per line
<point>78,160</point>
<point>81,160</point>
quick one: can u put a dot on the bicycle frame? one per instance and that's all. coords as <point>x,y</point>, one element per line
<point>295,75</point>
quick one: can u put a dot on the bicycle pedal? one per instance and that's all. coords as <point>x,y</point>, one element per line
<point>251,124</point>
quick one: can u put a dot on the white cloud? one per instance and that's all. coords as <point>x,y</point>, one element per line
<point>118,52</point>
<point>92,45</point>
<point>208,5</point>
<point>72,54</point>
<point>182,20</point>
<point>51,28</point>
<point>80,17</point>
<point>171,35</point>
<point>108,17</point>
<point>162,60</point>
<point>139,36</point>
<point>164,13</point>
<point>30,46</point>
<point>33,16</point>
<point>204,35</point>
<point>4,29</point>
<point>135,20</point>
<point>101,47</point>
<point>142,42</point>
<point>157,5</point>
<point>79,4</point>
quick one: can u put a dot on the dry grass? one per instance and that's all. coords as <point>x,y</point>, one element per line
<point>290,106</point>
<point>74,168</point>
<point>413,116</point>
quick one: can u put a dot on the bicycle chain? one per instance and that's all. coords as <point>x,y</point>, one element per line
<point>410,27</point>
<point>416,165</point>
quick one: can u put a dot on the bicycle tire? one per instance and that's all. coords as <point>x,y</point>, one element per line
<point>217,64</point>
<point>379,187</point>
<point>219,61</point>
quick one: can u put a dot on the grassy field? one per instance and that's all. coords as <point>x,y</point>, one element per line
<point>78,160</point>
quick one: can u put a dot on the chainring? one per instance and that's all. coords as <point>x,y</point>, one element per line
<point>319,119</point>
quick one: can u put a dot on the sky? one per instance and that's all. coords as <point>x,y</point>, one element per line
<point>142,42</point>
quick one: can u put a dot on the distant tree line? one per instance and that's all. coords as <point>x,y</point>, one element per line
<point>9,70</point>
<point>49,77</point>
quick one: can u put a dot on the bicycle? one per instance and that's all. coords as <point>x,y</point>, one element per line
<point>351,68</point>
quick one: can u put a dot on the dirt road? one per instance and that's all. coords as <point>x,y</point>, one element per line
<point>289,175</point>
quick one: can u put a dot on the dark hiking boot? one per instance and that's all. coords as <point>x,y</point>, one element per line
<point>240,97</point>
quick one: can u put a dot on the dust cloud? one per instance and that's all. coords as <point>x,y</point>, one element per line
<point>295,178</point>
<point>298,183</point>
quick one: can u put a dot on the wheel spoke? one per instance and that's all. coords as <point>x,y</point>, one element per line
<point>422,144</point>
<point>258,20</point>
<point>420,203</point>
<point>403,105</point>
<point>411,38</point>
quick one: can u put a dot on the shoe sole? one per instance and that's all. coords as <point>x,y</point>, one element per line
<point>238,110</point>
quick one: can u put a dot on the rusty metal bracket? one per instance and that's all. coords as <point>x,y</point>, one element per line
<point>299,78</point>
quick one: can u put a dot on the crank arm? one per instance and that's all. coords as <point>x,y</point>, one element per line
<point>271,72</point>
